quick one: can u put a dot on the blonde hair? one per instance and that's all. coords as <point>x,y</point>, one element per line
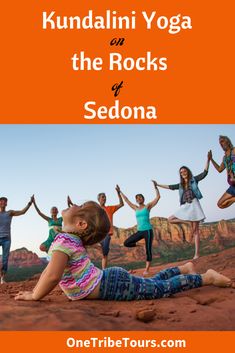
<point>98,224</point>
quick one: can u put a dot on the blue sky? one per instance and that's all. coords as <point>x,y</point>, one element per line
<point>52,161</point>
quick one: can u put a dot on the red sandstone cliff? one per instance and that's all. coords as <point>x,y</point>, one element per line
<point>168,235</point>
<point>165,234</point>
<point>24,258</point>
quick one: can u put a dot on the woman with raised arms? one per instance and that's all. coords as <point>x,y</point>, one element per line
<point>144,227</point>
<point>54,224</point>
<point>190,210</point>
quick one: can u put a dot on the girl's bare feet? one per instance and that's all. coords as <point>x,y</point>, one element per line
<point>216,279</point>
<point>187,269</point>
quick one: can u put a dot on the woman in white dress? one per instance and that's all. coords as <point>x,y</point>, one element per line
<point>190,210</point>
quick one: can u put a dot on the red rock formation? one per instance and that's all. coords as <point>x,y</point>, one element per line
<point>24,258</point>
<point>168,235</point>
<point>165,234</point>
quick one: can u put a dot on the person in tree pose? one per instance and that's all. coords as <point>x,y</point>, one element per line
<point>144,227</point>
<point>190,210</point>
<point>228,163</point>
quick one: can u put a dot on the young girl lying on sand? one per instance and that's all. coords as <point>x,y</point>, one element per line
<point>71,267</point>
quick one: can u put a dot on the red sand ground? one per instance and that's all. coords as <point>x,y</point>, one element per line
<point>206,308</point>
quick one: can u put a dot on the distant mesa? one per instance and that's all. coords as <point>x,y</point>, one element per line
<point>166,236</point>
<point>217,234</point>
<point>24,258</point>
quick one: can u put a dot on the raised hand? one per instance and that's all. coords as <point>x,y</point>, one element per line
<point>209,155</point>
<point>69,201</point>
<point>118,189</point>
<point>155,183</point>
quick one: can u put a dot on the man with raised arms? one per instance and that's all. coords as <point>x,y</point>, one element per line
<point>5,232</point>
<point>110,210</point>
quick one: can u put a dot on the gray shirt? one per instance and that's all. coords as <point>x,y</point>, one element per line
<point>5,225</point>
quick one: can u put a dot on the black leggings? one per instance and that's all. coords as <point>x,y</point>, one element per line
<point>147,235</point>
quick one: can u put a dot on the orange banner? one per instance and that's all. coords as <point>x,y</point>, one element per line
<point>167,61</point>
<point>125,341</point>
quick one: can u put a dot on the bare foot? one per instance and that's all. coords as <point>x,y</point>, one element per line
<point>196,257</point>
<point>217,279</point>
<point>187,268</point>
<point>145,273</point>
<point>2,280</point>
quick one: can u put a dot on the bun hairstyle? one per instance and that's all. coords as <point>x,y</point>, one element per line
<point>98,224</point>
<point>54,208</point>
<point>140,195</point>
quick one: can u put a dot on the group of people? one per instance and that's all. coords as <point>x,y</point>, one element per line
<point>91,223</point>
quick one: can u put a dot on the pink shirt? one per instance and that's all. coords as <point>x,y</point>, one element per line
<point>80,276</point>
